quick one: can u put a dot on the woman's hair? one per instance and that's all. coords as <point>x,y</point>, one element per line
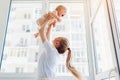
<point>60,7</point>
<point>64,45</point>
<point>70,68</point>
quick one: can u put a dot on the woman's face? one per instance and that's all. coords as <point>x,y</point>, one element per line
<point>56,42</point>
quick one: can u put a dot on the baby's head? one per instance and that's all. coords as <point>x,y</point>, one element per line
<point>61,10</point>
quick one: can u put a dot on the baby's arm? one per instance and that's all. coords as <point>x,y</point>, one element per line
<point>57,17</point>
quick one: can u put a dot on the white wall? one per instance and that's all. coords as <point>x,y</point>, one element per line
<point>4,9</point>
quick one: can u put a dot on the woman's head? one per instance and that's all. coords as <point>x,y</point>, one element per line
<point>61,44</point>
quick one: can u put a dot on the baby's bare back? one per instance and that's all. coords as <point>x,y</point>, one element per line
<point>41,20</point>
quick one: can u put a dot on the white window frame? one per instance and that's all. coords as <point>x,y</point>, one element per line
<point>113,72</point>
<point>114,25</point>
<point>27,75</point>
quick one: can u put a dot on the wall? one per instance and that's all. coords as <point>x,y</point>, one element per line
<point>4,9</point>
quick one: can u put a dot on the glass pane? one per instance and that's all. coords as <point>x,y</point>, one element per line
<point>102,41</point>
<point>21,48</point>
<point>117,13</point>
<point>73,27</point>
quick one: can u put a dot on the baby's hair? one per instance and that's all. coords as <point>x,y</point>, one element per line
<point>60,7</point>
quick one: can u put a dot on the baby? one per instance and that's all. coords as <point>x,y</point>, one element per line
<point>58,13</point>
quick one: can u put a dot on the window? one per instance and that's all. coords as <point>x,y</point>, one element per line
<point>117,14</point>
<point>22,49</point>
<point>104,51</point>
<point>102,41</point>
<point>94,6</point>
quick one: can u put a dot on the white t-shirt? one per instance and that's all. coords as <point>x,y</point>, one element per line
<point>48,61</point>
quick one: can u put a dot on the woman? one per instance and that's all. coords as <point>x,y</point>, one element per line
<point>50,57</point>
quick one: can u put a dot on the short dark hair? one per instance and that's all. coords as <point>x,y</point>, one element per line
<point>60,7</point>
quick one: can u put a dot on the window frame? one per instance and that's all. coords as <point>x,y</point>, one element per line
<point>114,24</point>
<point>27,75</point>
<point>113,72</point>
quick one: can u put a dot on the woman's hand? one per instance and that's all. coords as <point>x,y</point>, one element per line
<point>50,18</point>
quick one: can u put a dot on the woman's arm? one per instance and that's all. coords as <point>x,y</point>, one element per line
<point>49,31</point>
<point>42,33</point>
<point>50,26</point>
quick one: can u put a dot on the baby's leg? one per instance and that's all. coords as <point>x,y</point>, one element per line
<point>40,22</point>
<point>37,34</point>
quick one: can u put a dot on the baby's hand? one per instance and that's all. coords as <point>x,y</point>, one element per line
<point>36,35</point>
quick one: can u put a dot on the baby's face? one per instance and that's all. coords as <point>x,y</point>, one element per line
<point>61,13</point>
